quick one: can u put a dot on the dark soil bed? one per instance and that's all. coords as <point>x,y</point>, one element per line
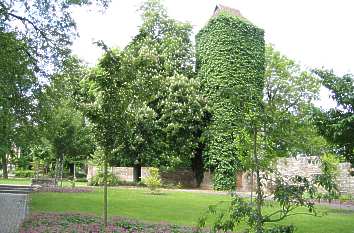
<point>80,223</point>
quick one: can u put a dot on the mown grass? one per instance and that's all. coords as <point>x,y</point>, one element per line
<point>27,181</point>
<point>175,207</point>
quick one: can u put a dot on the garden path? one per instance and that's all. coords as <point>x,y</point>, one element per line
<point>13,209</point>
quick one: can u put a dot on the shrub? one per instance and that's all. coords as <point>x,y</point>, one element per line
<point>81,180</point>
<point>345,198</point>
<point>153,180</point>
<point>24,173</point>
<point>98,180</point>
<point>281,229</point>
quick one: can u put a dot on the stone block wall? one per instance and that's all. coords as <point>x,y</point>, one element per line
<point>123,173</point>
<point>303,166</point>
<point>184,177</point>
<point>345,180</point>
<point>310,166</point>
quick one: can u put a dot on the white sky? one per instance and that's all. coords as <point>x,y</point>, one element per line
<point>315,33</point>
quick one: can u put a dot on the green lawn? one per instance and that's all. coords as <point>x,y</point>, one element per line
<point>16,181</point>
<point>27,181</point>
<point>173,207</point>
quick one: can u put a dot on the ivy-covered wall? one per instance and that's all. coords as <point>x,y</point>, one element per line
<point>230,66</point>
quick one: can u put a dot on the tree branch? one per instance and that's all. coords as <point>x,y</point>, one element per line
<point>26,20</point>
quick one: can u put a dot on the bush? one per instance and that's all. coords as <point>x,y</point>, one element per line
<point>345,198</point>
<point>281,229</point>
<point>24,173</point>
<point>98,180</point>
<point>81,179</point>
<point>153,181</point>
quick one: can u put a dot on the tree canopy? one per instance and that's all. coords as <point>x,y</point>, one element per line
<point>337,124</point>
<point>45,27</point>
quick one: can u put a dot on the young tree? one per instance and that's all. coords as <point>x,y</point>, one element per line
<point>106,96</point>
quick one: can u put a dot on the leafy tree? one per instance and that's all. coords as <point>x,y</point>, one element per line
<point>290,193</point>
<point>35,37</point>
<point>289,92</point>
<point>17,93</point>
<point>169,112</point>
<point>337,124</point>
<point>47,27</point>
<point>60,122</point>
<point>106,95</point>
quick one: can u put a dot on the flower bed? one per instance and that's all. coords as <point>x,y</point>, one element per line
<point>79,223</point>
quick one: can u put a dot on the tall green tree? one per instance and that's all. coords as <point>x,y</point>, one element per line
<point>61,122</point>
<point>17,93</point>
<point>337,124</point>
<point>164,132</point>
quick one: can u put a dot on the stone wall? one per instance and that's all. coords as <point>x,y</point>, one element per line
<point>345,180</point>
<point>303,166</point>
<point>123,173</point>
<point>310,166</point>
<point>183,177</point>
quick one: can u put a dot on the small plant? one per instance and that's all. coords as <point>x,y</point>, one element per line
<point>345,198</point>
<point>24,173</point>
<point>153,180</point>
<point>327,178</point>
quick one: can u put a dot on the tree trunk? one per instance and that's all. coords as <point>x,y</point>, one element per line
<point>259,200</point>
<point>71,168</point>
<point>74,177</point>
<point>198,164</point>
<point>137,172</point>
<point>105,198</point>
<point>56,171</point>
<point>4,166</point>
<point>61,171</point>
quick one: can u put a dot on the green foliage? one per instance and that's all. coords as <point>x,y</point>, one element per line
<point>329,173</point>
<point>98,180</point>
<point>288,94</point>
<point>153,180</point>
<point>46,26</point>
<point>24,173</point>
<point>166,109</point>
<point>230,64</point>
<point>291,194</point>
<point>281,229</point>
<point>337,124</point>
<point>63,132</point>
<point>18,86</point>
<point>345,198</point>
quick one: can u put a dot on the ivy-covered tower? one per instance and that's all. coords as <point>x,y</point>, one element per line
<point>230,66</point>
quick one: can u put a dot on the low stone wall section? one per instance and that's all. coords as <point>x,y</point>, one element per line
<point>303,166</point>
